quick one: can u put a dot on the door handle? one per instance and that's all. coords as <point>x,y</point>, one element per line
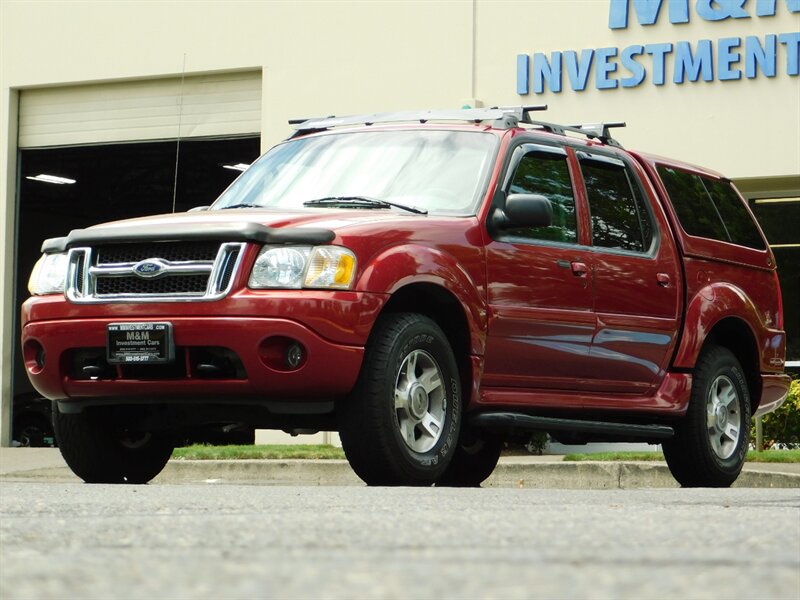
<point>579,269</point>
<point>663,279</point>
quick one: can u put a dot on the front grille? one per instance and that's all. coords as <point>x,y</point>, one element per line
<point>153,271</point>
<point>176,284</point>
<point>170,251</point>
<point>79,269</point>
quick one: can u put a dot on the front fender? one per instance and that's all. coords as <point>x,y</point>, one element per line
<point>464,278</point>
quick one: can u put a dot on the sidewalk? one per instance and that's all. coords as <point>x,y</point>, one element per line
<point>46,464</point>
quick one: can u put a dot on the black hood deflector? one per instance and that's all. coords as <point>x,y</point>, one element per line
<point>223,232</point>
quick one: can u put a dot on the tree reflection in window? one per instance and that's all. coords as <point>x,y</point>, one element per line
<point>738,222</point>
<point>710,208</point>
<point>547,175</point>
<point>694,207</point>
<point>619,216</point>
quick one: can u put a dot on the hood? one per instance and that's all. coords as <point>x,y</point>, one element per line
<point>262,226</point>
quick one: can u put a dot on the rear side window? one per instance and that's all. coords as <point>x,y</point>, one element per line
<point>619,216</point>
<point>741,228</point>
<point>710,208</point>
<point>696,212</point>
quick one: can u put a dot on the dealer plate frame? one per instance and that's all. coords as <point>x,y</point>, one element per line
<point>163,352</point>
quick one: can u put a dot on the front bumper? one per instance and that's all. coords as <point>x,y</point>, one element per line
<point>56,335</point>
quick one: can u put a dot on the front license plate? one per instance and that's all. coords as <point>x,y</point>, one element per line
<point>141,343</point>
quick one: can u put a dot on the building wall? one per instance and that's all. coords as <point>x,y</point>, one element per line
<point>327,57</point>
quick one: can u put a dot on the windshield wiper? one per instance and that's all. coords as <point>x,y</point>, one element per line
<point>363,202</point>
<point>242,205</point>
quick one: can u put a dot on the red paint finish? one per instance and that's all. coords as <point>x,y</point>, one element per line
<point>671,399</point>
<point>541,324</point>
<point>724,291</point>
<point>549,325</point>
<point>329,371</point>
<point>339,317</point>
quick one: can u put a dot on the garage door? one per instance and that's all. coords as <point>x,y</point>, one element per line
<point>204,106</point>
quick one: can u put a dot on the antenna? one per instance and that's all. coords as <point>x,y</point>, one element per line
<point>178,145</point>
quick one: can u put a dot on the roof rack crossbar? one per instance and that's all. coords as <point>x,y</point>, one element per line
<point>598,131</point>
<point>522,113</point>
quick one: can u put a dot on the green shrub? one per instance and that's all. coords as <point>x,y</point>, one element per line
<point>781,429</point>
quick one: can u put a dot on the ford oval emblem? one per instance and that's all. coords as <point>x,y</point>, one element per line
<point>149,268</point>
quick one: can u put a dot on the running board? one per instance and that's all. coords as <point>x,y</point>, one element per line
<point>508,421</point>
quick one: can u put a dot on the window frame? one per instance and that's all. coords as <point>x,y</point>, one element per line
<point>514,155</point>
<point>599,155</point>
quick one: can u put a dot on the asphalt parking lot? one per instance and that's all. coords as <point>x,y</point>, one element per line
<point>223,540</point>
<point>311,529</point>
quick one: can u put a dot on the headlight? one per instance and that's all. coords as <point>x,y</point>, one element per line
<point>48,275</point>
<point>296,267</point>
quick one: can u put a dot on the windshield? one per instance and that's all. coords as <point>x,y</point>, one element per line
<point>430,170</point>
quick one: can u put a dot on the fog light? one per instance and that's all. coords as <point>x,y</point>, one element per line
<point>294,355</point>
<point>34,355</point>
<point>40,358</point>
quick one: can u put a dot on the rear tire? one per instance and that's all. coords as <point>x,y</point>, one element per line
<point>473,462</point>
<point>400,425</point>
<point>710,445</point>
<point>99,450</point>
<point>33,431</point>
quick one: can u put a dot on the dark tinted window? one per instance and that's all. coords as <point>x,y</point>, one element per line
<point>619,216</point>
<point>710,208</point>
<point>548,175</point>
<point>741,228</point>
<point>696,212</point>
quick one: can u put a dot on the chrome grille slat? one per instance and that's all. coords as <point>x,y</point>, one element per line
<point>91,280</point>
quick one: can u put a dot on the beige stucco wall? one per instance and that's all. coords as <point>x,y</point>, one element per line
<point>335,57</point>
<point>746,128</point>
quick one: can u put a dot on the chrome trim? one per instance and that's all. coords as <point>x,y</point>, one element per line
<point>79,260</point>
<point>170,268</point>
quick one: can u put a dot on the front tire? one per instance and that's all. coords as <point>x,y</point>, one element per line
<point>99,449</point>
<point>400,426</point>
<point>710,445</point>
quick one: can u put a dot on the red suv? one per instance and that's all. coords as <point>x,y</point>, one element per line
<point>429,285</point>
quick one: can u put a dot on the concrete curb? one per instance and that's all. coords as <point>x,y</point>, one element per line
<point>564,475</point>
<point>534,474</point>
<point>270,472</point>
<point>616,475</point>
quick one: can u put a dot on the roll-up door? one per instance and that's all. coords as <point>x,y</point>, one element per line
<point>225,104</point>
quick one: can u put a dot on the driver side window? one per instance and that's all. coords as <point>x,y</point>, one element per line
<point>548,175</point>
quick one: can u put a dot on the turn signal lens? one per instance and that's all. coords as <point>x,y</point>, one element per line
<point>330,267</point>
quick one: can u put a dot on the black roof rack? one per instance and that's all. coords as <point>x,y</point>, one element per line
<point>593,131</point>
<point>501,117</point>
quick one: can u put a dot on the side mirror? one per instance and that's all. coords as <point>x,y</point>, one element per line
<point>524,210</point>
<point>198,209</point>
